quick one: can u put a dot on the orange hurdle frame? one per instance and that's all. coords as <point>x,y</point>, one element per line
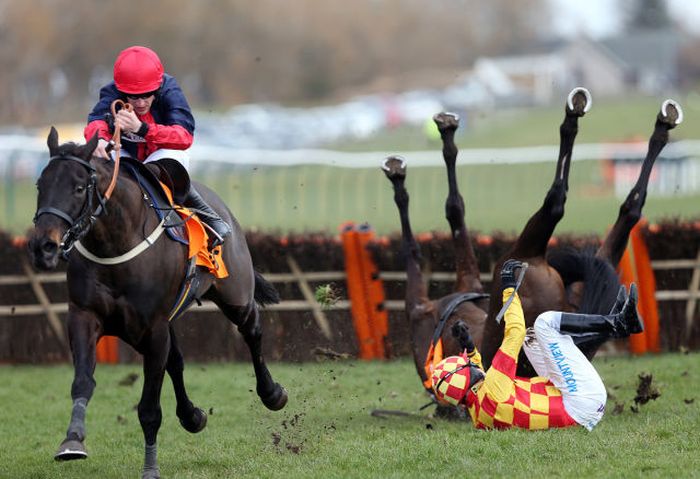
<point>365,291</point>
<point>635,267</point>
<point>107,350</point>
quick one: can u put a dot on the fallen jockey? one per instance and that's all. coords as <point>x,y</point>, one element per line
<point>567,391</point>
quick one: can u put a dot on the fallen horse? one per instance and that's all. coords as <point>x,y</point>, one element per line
<point>570,281</point>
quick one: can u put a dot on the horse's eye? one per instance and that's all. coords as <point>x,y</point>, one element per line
<point>80,189</point>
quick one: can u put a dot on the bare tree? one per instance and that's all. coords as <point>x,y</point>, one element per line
<point>231,51</point>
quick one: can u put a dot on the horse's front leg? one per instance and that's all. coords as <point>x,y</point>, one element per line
<point>615,242</point>
<point>192,418</point>
<point>533,240</point>
<point>466,266</point>
<point>83,331</point>
<point>420,311</point>
<point>155,350</point>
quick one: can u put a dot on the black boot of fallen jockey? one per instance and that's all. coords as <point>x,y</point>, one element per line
<point>219,228</point>
<point>618,325</point>
<point>620,300</point>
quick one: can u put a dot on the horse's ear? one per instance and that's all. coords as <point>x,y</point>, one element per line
<point>90,147</point>
<point>52,141</point>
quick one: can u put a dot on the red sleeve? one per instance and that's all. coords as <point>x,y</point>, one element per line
<point>174,137</point>
<point>504,363</point>
<point>97,126</point>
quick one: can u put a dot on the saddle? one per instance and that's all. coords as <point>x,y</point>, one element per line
<point>166,187</point>
<point>180,224</point>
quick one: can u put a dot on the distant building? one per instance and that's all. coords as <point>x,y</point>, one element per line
<point>644,61</point>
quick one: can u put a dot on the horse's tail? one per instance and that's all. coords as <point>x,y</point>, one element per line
<point>600,280</point>
<point>265,293</point>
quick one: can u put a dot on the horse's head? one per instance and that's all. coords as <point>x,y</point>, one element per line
<point>66,192</point>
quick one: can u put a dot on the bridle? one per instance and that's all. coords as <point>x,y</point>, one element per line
<point>79,227</point>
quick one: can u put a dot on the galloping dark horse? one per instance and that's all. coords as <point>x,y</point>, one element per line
<point>574,281</point>
<point>132,299</point>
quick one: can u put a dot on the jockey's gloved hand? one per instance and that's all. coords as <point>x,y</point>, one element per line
<point>460,331</point>
<point>509,272</point>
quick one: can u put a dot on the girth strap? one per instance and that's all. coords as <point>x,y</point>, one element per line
<point>188,291</point>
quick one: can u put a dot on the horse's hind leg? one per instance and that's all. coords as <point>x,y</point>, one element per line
<point>155,356</point>
<point>247,319</point>
<point>192,418</point>
<point>419,308</point>
<point>83,334</point>
<point>615,242</point>
<point>533,240</point>
<point>466,266</point>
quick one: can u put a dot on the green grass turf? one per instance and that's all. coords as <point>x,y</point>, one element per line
<point>318,198</point>
<point>327,431</point>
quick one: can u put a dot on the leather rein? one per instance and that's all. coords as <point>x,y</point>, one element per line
<point>79,226</point>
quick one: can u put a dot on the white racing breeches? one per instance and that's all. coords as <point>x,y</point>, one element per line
<point>181,156</point>
<point>555,357</point>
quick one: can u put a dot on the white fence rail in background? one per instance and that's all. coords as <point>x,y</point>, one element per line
<point>33,154</point>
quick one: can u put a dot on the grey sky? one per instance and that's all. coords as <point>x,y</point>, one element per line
<point>598,19</point>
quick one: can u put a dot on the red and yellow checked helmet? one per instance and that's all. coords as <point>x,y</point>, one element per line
<point>451,380</point>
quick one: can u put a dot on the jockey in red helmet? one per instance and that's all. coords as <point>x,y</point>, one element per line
<point>160,126</point>
<point>138,70</point>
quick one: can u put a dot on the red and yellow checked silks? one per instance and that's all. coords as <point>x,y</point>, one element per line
<point>504,400</point>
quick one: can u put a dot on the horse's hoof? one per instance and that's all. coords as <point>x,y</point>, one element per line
<point>71,449</point>
<point>277,400</point>
<point>195,422</point>
<point>671,113</point>
<point>394,167</point>
<point>151,473</point>
<point>446,121</point>
<point>579,101</point>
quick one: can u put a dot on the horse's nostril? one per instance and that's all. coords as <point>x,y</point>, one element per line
<point>49,247</point>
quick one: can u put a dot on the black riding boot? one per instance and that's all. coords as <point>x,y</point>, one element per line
<point>620,300</point>
<point>207,214</point>
<point>597,326</point>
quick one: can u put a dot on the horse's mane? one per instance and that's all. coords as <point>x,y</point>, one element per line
<point>69,148</point>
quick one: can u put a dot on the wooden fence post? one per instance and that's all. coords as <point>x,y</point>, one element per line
<point>692,303</point>
<point>51,316</point>
<point>320,318</point>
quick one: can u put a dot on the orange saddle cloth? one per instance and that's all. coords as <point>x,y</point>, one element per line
<point>199,240</point>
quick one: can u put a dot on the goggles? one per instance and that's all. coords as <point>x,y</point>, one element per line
<point>139,96</point>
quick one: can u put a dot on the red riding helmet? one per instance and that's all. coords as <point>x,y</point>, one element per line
<point>138,70</point>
